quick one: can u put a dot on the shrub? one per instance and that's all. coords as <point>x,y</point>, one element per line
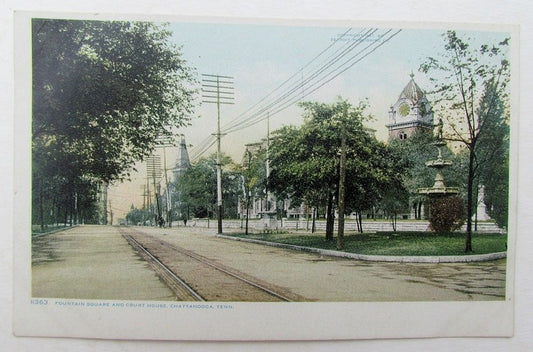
<point>446,214</point>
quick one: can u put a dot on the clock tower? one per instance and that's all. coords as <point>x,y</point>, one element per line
<point>410,113</point>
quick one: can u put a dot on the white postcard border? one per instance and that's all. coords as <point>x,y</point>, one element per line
<point>244,321</point>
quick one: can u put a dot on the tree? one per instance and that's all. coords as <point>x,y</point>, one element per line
<point>468,90</point>
<point>137,216</point>
<point>305,161</point>
<point>253,173</point>
<point>492,159</point>
<point>395,200</point>
<point>376,179</point>
<point>415,152</point>
<point>393,195</point>
<point>198,187</point>
<point>102,94</point>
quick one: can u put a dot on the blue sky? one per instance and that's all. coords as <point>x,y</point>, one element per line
<point>262,56</point>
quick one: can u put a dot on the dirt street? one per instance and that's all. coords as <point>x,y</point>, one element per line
<point>96,262</point>
<point>321,278</point>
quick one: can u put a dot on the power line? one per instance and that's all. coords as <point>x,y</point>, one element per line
<point>294,92</point>
<point>317,78</point>
<point>320,83</point>
<point>235,120</point>
<point>209,141</point>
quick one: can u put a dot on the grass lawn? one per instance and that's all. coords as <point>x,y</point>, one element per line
<point>394,243</point>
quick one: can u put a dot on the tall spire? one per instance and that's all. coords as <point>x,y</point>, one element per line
<point>183,163</point>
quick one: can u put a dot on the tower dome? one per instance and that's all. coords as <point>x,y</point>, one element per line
<point>412,91</point>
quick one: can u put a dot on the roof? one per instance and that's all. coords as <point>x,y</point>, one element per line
<point>412,91</point>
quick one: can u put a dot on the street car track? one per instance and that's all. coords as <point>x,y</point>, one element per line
<point>153,241</point>
<point>180,288</point>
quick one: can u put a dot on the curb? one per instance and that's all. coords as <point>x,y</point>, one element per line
<point>378,258</point>
<point>54,231</point>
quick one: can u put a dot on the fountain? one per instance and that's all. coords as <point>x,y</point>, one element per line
<point>439,189</point>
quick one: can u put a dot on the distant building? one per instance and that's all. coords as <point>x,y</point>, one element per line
<point>262,202</point>
<point>411,113</point>
<point>183,163</point>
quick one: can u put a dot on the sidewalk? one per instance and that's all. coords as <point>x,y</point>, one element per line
<point>350,225</point>
<point>92,262</point>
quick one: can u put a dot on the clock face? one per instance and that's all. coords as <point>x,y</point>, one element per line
<point>404,109</point>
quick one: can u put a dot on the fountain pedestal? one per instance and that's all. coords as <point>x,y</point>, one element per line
<point>439,187</point>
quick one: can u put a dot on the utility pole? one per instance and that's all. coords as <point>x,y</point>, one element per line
<point>169,202</point>
<point>153,168</point>
<point>166,142</point>
<point>222,88</point>
<point>342,178</point>
<point>144,196</point>
<point>148,198</point>
<point>268,162</point>
<point>145,192</point>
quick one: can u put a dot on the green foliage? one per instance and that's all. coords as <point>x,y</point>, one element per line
<point>103,92</point>
<point>253,170</point>
<point>305,160</point>
<point>395,200</point>
<point>415,151</point>
<point>197,188</point>
<point>138,216</point>
<point>497,192</point>
<point>492,159</point>
<point>447,214</point>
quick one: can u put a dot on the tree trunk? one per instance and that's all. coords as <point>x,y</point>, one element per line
<point>342,178</point>
<point>476,198</point>
<point>247,215</point>
<point>468,246</point>
<point>71,210</point>
<point>41,207</point>
<point>313,226</point>
<point>57,215</point>
<point>329,218</point>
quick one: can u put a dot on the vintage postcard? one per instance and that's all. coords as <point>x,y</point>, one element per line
<point>183,178</point>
